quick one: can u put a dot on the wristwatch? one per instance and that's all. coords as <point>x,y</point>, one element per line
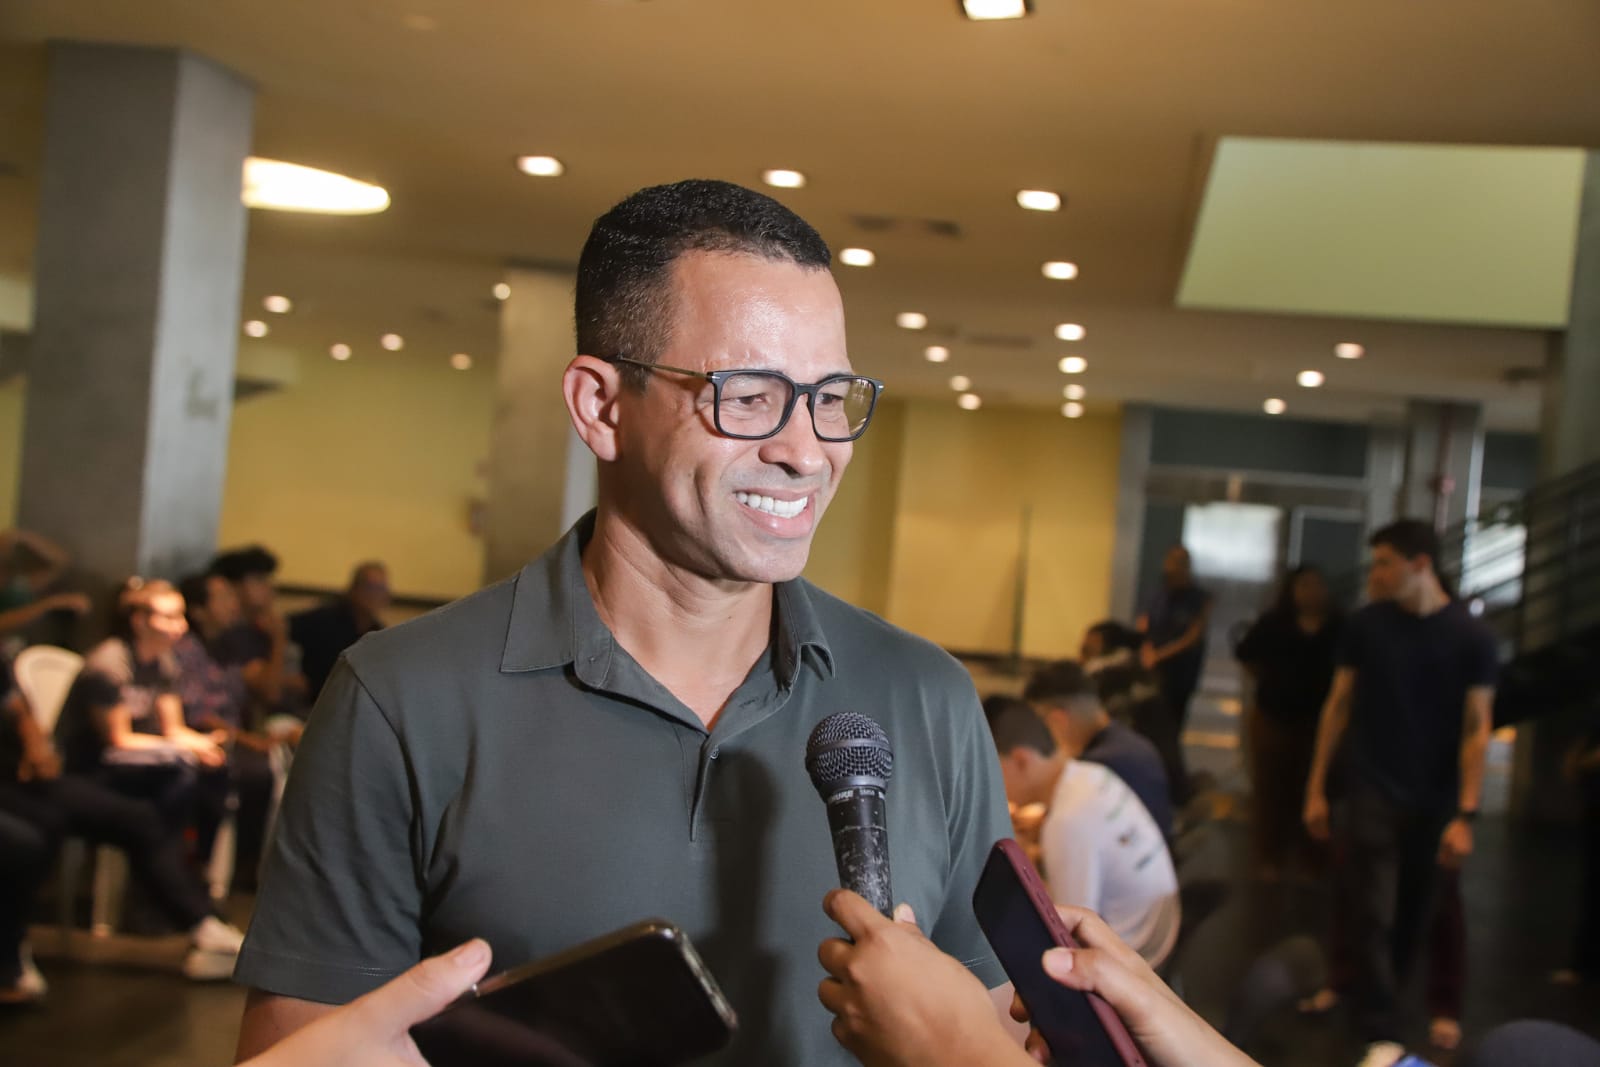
<point>1467,816</point>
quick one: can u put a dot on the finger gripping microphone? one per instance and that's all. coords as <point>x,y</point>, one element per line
<point>849,760</point>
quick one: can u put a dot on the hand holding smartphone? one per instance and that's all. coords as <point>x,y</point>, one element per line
<point>640,997</point>
<point>1016,914</point>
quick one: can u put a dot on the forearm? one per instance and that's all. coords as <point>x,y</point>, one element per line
<point>17,618</point>
<point>1474,754</point>
<point>1330,731</point>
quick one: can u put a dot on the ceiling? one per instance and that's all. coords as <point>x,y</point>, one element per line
<point>896,110</point>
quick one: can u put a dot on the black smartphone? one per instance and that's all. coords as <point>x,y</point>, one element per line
<point>1019,919</point>
<point>639,997</point>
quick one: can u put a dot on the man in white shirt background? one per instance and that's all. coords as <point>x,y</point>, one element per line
<point>1100,848</point>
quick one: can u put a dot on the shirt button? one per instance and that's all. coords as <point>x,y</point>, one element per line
<point>716,752</point>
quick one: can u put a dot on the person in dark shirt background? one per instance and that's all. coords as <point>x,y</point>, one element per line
<point>259,641</point>
<point>1414,691</point>
<point>327,630</point>
<point>1174,625</point>
<point>1290,652</point>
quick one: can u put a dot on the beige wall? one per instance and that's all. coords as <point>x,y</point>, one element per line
<point>375,457</point>
<point>380,457</point>
<point>12,394</point>
<point>965,479</point>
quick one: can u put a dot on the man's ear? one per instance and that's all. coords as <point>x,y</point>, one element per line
<point>590,388</point>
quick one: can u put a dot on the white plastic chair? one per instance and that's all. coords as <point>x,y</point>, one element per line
<point>45,675</point>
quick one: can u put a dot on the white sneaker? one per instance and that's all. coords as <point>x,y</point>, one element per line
<point>211,934</point>
<point>1382,1054</point>
<point>203,966</point>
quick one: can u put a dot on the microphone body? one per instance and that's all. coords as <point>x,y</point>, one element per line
<point>849,760</point>
<point>861,845</point>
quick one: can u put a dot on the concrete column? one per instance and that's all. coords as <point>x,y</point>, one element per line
<point>139,263</point>
<point>1386,471</point>
<point>1443,462</point>
<point>541,476</point>
<point>1133,468</point>
<point>1570,436</point>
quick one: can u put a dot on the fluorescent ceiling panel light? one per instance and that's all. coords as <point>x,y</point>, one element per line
<point>273,185</point>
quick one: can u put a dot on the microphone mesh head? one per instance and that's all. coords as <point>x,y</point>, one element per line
<point>846,746</point>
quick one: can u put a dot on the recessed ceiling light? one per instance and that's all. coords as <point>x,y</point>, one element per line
<point>1070,331</point>
<point>278,305</point>
<point>857,257</point>
<point>1074,392</point>
<point>1073,365</point>
<point>1072,409</point>
<point>1039,200</point>
<point>461,361</point>
<point>961,383</point>
<point>502,291</point>
<point>275,185</point>
<point>1274,407</point>
<point>970,401</point>
<point>541,166</point>
<point>1060,270</point>
<point>911,320</point>
<point>784,179</point>
<point>989,10</point>
<point>1310,379</point>
<point>340,351</point>
<point>1349,350</point>
<point>936,353</point>
<point>392,341</point>
<point>255,328</point>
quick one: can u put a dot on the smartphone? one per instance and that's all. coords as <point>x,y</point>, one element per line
<point>1019,919</point>
<point>640,997</point>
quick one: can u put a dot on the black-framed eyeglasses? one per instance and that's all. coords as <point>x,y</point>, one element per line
<point>753,405</point>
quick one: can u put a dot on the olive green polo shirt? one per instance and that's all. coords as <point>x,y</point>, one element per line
<point>502,768</point>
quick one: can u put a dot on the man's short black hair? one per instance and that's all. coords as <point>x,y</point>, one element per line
<point>1060,682</point>
<point>1117,636</point>
<point>241,563</point>
<point>1016,725</point>
<point>623,303</point>
<point>1409,538</point>
<point>196,589</point>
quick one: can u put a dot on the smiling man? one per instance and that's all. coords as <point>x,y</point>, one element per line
<point>619,731</point>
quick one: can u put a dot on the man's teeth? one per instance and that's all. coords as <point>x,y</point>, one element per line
<point>784,509</point>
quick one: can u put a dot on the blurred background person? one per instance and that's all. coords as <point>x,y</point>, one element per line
<point>1099,846</point>
<point>1174,625</point>
<point>40,806</point>
<point>30,565</point>
<point>323,632</point>
<point>1290,652</point>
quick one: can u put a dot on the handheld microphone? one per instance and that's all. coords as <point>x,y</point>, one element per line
<point>849,760</point>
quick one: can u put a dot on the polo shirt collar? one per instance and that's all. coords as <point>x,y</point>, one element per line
<point>554,622</point>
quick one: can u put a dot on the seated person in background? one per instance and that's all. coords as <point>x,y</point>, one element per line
<point>1100,847</point>
<point>216,698</point>
<point>122,722</point>
<point>1091,734</point>
<point>39,806</point>
<point>259,642</point>
<point>29,566</point>
<point>327,630</point>
<point>1130,691</point>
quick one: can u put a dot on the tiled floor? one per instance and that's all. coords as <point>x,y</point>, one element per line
<point>1520,893</point>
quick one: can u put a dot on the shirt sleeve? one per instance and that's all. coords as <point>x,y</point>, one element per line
<point>1072,862</point>
<point>340,907</point>
<point>978,817</point>
<point>1253,648</point>
<point>1484,669</point>
<point>1350,644</point>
